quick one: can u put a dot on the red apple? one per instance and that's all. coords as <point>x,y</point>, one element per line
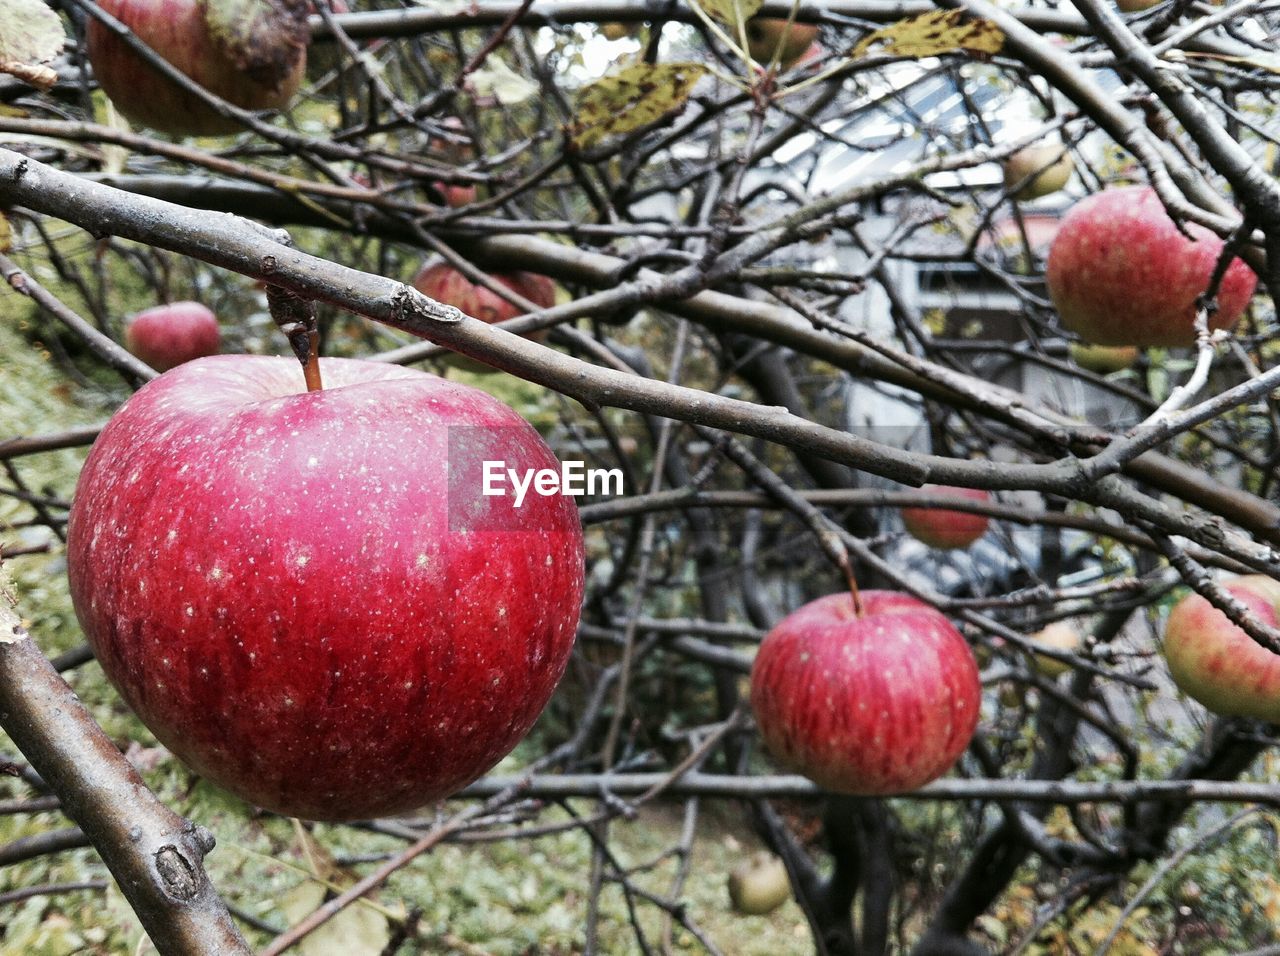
<point>942,528</point>
<point>1050,165</point>
<point>456,195</point>
<point>260,72</point>
<point>307,597</point>
<point>1120,272</point>
<point>877,704</point>
<point>1217,663</point>
<point>767,35</point>
<point>166,336</point>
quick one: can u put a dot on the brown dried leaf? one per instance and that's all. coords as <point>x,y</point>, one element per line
<point>632,98</point>
<point>932,34</point>
<point>31,35</point>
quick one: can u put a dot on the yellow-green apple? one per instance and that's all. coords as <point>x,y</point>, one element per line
<point>1050,165</point>
<point>942,527</point>
<point>1120,272</point>
<point>767,35</point>
<point>1103,359</point>
<point>167,335</point>
<point>873,703</point>
<point>308,596</point>
<point>251,54</point>
<point>1217,663</point>
<point>1060,636</point>
<point>759,885</point>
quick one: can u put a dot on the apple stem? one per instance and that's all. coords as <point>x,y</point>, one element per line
<point>853,588</point>
<point>296,318</point>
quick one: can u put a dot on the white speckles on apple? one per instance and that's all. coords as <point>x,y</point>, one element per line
<point>172,536</point>
<point>189,611</point>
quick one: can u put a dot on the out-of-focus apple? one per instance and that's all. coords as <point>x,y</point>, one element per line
<point>1135,6</point>
<point>614,30</point>
<point>1120,272</point>
<point>872,704</point>
<point>759,885</point>
<point>1060,636</point>
<point>943,528</point>
<point>258,71</point>
<point>167,335</point>
<point>1051,165</point>
<point>1217,663</point>
<point>307,595</point>
<point>1102,359</point>
<point>767,35</point>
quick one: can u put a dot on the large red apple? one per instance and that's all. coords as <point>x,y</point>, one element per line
<point>767,35</point>
<point>942,527</point>
<point>256,61</point>
<point>876,704</point>
<point>1120,272</point>
<point>1217,663</point>
<point>167,335</point>
<point>307,597</point>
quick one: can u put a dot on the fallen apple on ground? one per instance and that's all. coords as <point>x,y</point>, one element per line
<point>877,703</point>
<point>256,69</point>
<point>1121,273</point>
<point>943,528</point>
<point>168,335</point>
<point>759,885</point>
<point>306,597</point>
<point>1215,662</point>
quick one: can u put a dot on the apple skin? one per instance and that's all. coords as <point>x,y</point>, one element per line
<point>764,34</point>
<point>1060,636</point>
<point>759,885</point>
<point>304,595</point>
<point>1054,163</point>
<point>1120,273</point>
<point>1135,6</point>
<point>168,335</point>
<point>456,195</point>
<point>176,30</point>
<point>1217,663</point>
<point>1102,359</point>
<point>940,528</point>
<point>878,704</point>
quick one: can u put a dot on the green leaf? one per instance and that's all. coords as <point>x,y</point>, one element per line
<point>265,38</point>
<point>932,34</point>
<point>730,12</point>
<point>633,98</point>
<point>31,35</point>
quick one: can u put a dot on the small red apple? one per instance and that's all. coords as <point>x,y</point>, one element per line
<point>258,72</point>
<point>307,596</point>
<point>1120,272</point>
<point>1217,663</point>
<point>942,528</point>
<point>877,704</point>
<point>167,335</point>
<point>1050,165</point>
<point>456,195</point>
<point>767,35</point>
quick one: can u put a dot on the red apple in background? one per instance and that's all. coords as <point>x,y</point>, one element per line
<point>1050,165</point>
<point>456,195</point>
<point>766,34</point>
<point>759,885</point>
<point>877,704</point>
<point>166,336</point>
<point>257,71</point>
<point>455,149</point>
<point>1103,359</point>
<point>305,595</point>
<point>942,528</point>
<point>1217,663</point>
<point>1120,272</point>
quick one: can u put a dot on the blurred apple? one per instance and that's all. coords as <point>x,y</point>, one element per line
<point>168,335</point>
<point>1103,359</point>
<point>1050,164</point>
<point>943,528</point>
<point>759,885</point>
<point>767,35</point>
<point>1060,636</point>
